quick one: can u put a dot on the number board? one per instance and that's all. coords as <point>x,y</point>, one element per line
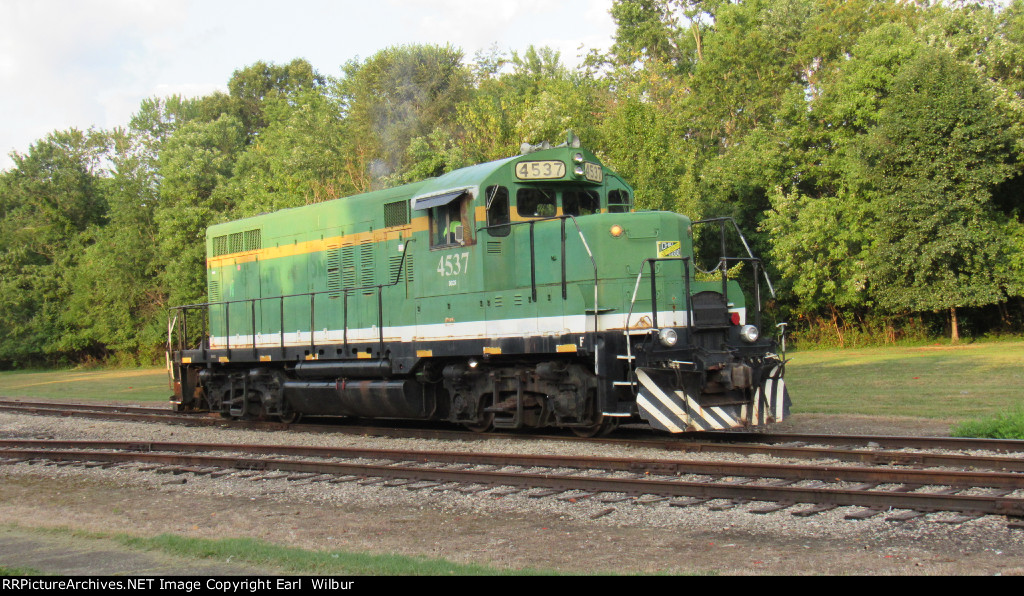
<point>593,172</point>
<point>540,170</point>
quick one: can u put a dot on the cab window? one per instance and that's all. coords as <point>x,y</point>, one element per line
<point>579,201</point>
<point>536,202</point>
<point>497,210</point>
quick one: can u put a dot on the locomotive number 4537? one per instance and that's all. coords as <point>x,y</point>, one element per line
<point>452,265</point>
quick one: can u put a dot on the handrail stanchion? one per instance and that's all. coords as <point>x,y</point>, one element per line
<point>380,320</point>
<point>654,294</point>
<point>565,291</point>
<point>533,264</point>
<point>227,328</point>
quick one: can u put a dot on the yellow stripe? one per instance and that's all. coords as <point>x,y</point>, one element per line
<point>566,348</point>
<point>186,360</point>
<point>265,358</point>
<point>425,353</point>
<point>418,224</point>
<point>224,360</point>
<point>493,351</point>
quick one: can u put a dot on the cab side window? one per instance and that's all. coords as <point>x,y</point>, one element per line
<point>446,225</point>
<point>619,202</point>
<point>497,210</point>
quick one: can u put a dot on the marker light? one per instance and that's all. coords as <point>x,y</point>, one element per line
<point>579,170</point>
<point>578,158</point>
<point>616,230</point>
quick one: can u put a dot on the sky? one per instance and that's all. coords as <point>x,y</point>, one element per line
<point>89,63</point>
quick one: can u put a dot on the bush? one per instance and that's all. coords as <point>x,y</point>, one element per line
<point>1003,426</point>
<point>838,331</point>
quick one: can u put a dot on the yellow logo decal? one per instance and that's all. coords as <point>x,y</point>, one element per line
<point>668,250</point>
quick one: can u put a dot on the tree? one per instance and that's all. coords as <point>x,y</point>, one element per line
<point>252,86</point>
<point>646,30</point>
<point>939,150</point>
<point>116,304</point>
<point>304,155</point>
<point>47,200</point>
<point>398,94</point>
<point>195,165</point>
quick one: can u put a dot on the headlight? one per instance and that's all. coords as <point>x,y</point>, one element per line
<point>578,158</point>
<point>749,333</point>
<point>668,337</point>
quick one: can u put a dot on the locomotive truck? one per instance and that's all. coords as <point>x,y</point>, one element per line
<point>520,293</point>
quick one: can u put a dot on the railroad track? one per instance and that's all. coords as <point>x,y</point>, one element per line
<point>899,494</point>
<point>1001,454</point>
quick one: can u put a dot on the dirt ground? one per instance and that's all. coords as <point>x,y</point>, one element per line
<point>541,539</point>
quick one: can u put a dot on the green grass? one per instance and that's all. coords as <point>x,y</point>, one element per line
<point>945,382</point>
<point>275,559</point>
<point>290,561</point>
<point>17,571</point>
<point>122,385</point>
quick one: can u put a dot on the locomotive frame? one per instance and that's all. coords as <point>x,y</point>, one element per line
<point>535,313</point>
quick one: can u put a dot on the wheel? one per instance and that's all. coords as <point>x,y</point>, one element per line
<point>601,429</point>
<point>484,424</point>
<point>290,417</point>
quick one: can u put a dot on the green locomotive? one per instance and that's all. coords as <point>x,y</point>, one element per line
<point>524,292</point>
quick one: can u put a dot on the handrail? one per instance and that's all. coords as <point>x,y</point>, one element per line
<point>654,302</point>
<point>654,290</point>
<point>182,336</point>
<point>756,262</point>
<point>743,239</point>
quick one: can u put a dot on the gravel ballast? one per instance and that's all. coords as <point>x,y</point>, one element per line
<point>576,535</point>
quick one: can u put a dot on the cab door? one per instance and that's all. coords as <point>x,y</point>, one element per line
<point>448,301</point>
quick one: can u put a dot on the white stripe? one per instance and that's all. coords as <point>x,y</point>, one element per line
<point>756,414</point>
<point>771,393</point>
<point>653,411</point>
<point>700,411</point>
<point>522,327</point>
<point>781,399</point>
<point>662,397</point>
<point>728,419</point>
